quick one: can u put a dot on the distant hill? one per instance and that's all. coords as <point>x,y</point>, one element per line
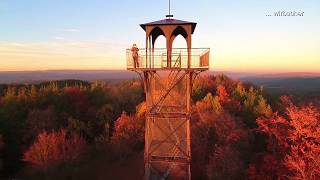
<point>17,77</point>
<point>305,85</point>
<point>293,83</point>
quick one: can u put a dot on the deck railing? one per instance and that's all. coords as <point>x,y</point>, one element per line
<point>159,58</point>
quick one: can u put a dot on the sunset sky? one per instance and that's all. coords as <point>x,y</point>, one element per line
<point>93,34</point>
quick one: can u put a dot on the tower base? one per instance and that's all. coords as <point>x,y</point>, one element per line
<point>167,171</point>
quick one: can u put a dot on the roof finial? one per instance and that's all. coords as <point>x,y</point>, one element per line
<point>169,15</point>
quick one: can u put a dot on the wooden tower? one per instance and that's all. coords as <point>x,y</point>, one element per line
<point>168,75</point>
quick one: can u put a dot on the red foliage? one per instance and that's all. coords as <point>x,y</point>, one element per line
<point>219,138</point>
<point>77,99</point>
<point>222,94</point>
<point>294,141</point>
<point>286,101</point>
<point>266,167</point>
<point>54,148</point>
<point>225,163</point>
<point>304,136</point>
<point>232,105</point>
<point>128,133</point>
<point>276,128</point>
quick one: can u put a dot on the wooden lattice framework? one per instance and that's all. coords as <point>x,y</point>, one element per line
<point>168,75</point>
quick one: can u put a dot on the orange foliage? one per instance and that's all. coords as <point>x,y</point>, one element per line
<point>276,128</point>
<point>304,136</point>
<point>230,104</point>
<point>208,104</point>
<point>54,148</point>
<point>294,140</point>
<point>128,133</point>
<point>222,94</point>
<point>141,110</point>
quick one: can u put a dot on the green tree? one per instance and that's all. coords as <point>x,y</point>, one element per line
<point>33,93</point>
<point>262,108</point>
<point>209,104</point>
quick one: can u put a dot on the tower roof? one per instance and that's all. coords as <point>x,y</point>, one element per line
<point>169,22</point>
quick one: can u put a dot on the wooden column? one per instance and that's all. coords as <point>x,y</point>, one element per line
<point>169,50</point>
<point>189,45</point>
<point>150,55</point>
<point>171,44</point>
<point>153,42</point>
<point>147,44</point>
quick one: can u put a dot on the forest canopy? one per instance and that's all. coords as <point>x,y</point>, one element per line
<point>81,130</point>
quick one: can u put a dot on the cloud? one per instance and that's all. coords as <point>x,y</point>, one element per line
<point>59,48</point>
<point>59,38</point>
<point>70,30</point>
<point>60,55</point>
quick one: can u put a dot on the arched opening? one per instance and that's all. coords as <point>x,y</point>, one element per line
<point>180,31</point>
<point>159,54</point>
<point>157,35</point>
<point>179,42</point>
<point>160,42</point>
<point>179,56</point>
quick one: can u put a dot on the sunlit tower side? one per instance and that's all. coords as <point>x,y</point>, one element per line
<point>168,74</point>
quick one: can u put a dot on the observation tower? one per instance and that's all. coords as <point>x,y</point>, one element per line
<point>168,74</point>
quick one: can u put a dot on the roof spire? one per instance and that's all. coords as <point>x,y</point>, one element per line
<point>169,15</point>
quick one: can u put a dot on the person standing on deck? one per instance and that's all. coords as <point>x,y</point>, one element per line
<point>135,55</point>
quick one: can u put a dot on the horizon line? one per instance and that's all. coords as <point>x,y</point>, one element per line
<point>211,70</point>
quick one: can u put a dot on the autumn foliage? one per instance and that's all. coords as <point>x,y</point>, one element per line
<point>219,139</point>
<point>238,131</point>
<point>237,135</point>
<point>55,148</point>
<point>294,141</point>
<point>128,133</point>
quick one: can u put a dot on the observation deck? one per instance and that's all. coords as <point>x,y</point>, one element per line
<point>162,59</point>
